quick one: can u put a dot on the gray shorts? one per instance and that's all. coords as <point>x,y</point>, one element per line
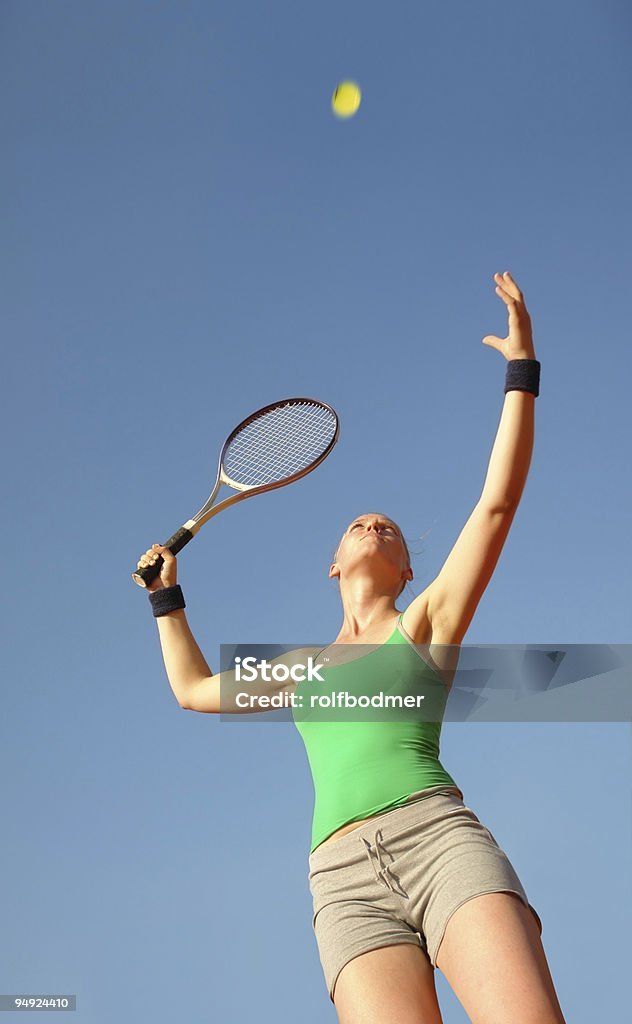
<point>400,877</point>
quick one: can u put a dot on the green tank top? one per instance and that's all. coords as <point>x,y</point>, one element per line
<point>361,767</point>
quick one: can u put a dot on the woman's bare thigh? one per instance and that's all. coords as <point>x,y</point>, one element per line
<point>390,985</point>
<point>492,957</point>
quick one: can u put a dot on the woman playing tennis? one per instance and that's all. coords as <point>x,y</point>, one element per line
<point>404,876</point>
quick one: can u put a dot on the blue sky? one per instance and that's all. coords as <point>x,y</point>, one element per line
<point>188,234</point>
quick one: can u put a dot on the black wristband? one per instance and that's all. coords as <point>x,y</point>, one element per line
<point>167,599</point>
<point>523,375</point>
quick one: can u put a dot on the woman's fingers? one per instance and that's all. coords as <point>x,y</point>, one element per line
<point>505,285</point>
<point>149,557</point>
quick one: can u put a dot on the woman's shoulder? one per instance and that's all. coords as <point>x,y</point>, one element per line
<point>416,620</point>
<point>437,649</point>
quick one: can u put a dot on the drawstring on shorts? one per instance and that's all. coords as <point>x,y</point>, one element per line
<point>383,875</point>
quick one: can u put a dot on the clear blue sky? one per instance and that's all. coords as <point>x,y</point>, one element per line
<point>189,233</point>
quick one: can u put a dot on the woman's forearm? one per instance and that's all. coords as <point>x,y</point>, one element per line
<point>511,455</point>
<point>184,661</point>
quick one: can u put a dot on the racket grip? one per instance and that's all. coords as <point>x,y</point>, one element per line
<point>175,543</point>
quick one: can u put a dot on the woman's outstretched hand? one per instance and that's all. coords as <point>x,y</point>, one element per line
<point>519,342</point>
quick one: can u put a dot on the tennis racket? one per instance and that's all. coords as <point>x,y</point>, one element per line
<point>270,448</point>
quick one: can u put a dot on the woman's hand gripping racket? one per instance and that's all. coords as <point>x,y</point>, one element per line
<point>271,448</point>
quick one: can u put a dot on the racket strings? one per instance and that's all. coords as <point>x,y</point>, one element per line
<point>279,444</point>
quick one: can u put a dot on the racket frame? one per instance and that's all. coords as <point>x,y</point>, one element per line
<point>189,529</point>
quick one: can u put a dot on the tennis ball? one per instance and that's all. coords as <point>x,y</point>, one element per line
<point>346,99</point>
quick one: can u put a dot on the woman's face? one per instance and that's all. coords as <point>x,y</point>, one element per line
<point>372,533</point>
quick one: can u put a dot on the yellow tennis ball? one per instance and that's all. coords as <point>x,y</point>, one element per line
<point>346,99</point>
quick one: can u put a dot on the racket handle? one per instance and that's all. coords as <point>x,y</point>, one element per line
<point>175,543</point>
